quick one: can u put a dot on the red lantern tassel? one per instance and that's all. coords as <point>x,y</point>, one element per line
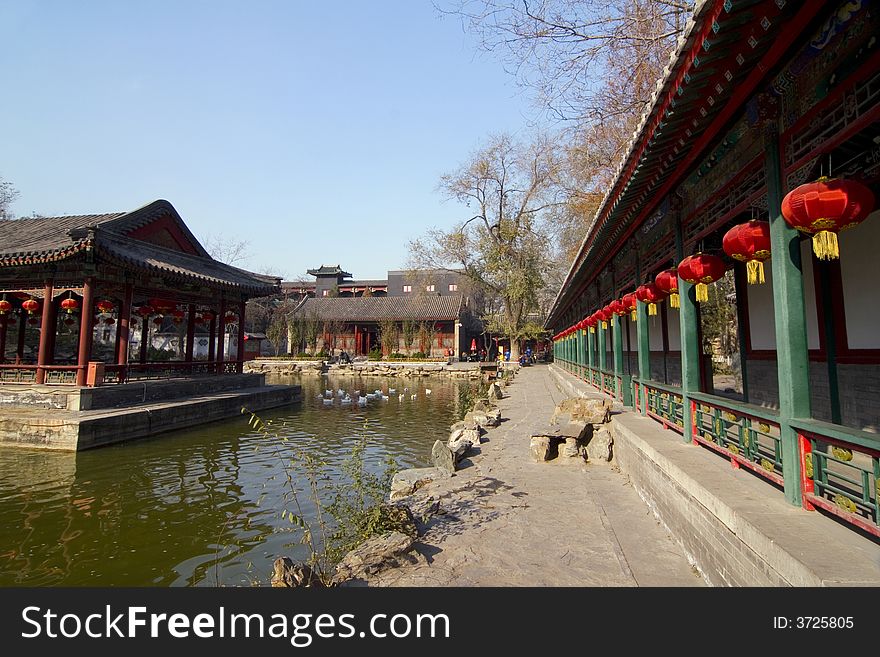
<point>755,271</point>
<point>633,315</point>
<point>825,245</point>
<point>592,329</point>
<point>652,308</point>
<point>604,324</point>
<point>702,292</point>
<point>612,320</point>
<point>673,300</point>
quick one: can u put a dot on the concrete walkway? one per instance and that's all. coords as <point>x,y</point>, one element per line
<point>508,521</point>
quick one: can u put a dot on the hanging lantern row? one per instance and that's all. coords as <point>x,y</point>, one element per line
<point>826,207</point>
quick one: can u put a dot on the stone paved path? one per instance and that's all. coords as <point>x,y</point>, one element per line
<point>509,521</point>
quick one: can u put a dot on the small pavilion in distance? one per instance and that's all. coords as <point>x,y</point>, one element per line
<point>100,289</point>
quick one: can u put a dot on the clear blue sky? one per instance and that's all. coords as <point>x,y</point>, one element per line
<point>317,131</point>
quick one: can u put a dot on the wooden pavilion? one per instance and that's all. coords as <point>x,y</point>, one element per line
<point>99,289</point>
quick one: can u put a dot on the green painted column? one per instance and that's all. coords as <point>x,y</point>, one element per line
<point>792,357</point>
<point>617,349</point>
<point>644,346</point>
<point>690,343</point>
<point>591,348</point>
<point>582,351</point>
<point>600,344</point>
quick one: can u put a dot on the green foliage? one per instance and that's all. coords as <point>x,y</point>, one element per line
<point>420,354</point>
<point>375,354</point>
<point>718,317</point>
<point>358,508</point>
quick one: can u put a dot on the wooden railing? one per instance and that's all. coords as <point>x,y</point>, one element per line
<point>66,374</point>
<point>748,435</point>
<point>664,403</point>
<point>840,472</point>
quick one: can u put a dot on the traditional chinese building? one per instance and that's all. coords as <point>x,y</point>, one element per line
<point>725,177</point>
<point>439,324</point>
<point>128,290</point>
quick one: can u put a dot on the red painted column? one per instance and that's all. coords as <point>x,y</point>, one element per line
<point>221,335</point>
<point>4,324</point>
<point>241,311</point>
<point>86,325</point>
<point>22,325</point>
<point>211,345</point>
<point>47,327</point>
<point>357,342</point>
<point>190,333</point>
<point>123,329</point>
<point>145,338</point>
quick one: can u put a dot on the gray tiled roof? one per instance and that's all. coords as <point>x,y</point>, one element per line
<point>371,309</point>
<point>44,239</point>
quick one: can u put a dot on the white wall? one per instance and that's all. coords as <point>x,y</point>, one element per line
<point>859,269</point>
<point>761,318</point>
<point>673,325</point>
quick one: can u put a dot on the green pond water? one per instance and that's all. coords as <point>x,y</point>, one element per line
<point>201,506</point>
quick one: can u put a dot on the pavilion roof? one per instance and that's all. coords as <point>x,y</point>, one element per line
<point>47,239</point>
<point>372,309</point>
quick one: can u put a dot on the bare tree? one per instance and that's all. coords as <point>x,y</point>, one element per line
<point>389,336</point>
<point>502,249</point>
<point>409,328</point>
<point>231,250</point>
<point>586,60</point>
<point>8,195</point>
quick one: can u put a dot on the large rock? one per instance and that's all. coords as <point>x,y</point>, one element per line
<point>494,391</point>
<point>407,482</point>
<point>443,457</point>
<point>571,449</point>
<point>374,555</point>
<point>599,447</point>
<point>288,574</point>
<point>484,418</point>
<point>542,448</point>
<point>582,410</point>
<point>463,440</point>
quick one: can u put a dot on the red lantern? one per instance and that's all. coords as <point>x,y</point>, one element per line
<point>109,321</point>
<point>604,315</point>
<point>69,305</point>
<point>651,295</point>
<point>34,321</point>
<point>145,311</point>
<point>700,269</point>
<point>105,306</point>
<point>826,207</point>
<point>31,305</point>
<point>629,303</point>
<point>207,316</point>
<point>749,243</point>
<point>158,321</point>
<point>162,305</point>
<point>5,306</point>
<point>246,337</point>
<point>177,315</point>
<point>667,282</point>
